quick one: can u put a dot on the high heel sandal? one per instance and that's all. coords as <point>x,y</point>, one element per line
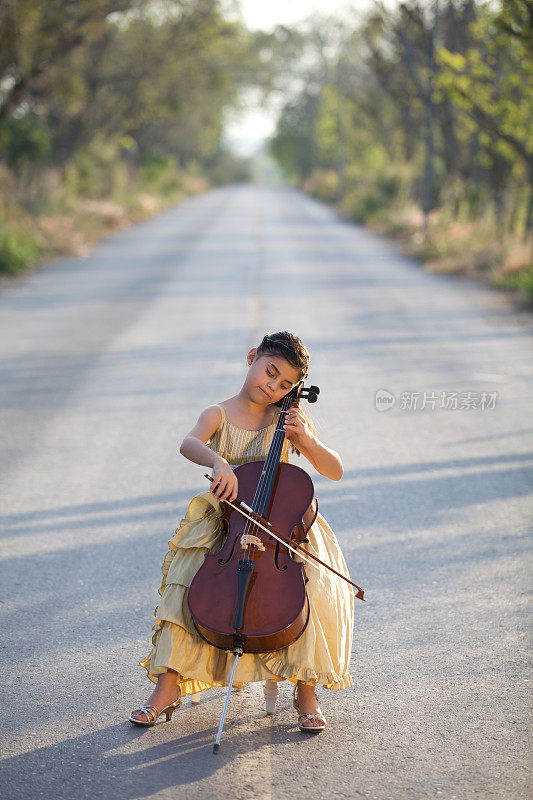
<point>153,714</point>
<point>302,717</point>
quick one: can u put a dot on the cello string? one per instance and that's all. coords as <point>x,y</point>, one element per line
<point>269,472</point>
<point>270,468</point>
<point>260,491</point>
<point>248,527</point>
<point>260,494</point>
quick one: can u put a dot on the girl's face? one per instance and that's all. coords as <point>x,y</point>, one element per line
<point>269,377</point>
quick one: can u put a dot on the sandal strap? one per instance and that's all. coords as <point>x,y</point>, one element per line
<point>151,712</point>
<point>318,715</point>
<point>301,717</point>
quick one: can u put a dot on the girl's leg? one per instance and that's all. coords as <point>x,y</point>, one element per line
<point>165,692</point>
<point>271,694</point>
<point>308,703</point>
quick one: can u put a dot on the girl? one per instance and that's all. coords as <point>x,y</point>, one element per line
<point>234,432</point>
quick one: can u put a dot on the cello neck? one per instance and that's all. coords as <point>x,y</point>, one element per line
<point>265,487</point>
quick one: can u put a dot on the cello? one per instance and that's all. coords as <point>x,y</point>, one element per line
<point>250,596</point>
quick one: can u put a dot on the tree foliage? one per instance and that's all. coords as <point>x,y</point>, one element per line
<point>408,90</point>
<point>124,78</point>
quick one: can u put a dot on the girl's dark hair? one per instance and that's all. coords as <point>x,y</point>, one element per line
<point>293,350</point>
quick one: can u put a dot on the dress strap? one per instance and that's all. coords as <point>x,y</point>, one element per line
<point>222,431</point>
<point>223,410</point>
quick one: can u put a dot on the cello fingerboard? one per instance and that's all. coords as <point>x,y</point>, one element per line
<point>265,487</point>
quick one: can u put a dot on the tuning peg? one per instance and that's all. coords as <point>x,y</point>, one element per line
<point>310,393</point>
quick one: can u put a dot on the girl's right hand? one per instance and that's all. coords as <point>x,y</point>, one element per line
<point>225,484</point>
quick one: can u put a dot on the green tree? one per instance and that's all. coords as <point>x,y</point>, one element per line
<point>35,36</point>
<point>491,84</point>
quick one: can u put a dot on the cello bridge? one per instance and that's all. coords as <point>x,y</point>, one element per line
<point>248,539</point>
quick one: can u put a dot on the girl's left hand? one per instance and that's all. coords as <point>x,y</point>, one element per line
<point>296,428</point>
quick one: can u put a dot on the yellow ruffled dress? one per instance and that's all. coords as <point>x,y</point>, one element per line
<point>322,652</point>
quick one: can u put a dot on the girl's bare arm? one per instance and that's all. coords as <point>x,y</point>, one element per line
<point>324,460</point>
<point>193,447</point>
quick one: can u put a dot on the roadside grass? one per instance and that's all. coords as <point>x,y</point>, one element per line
<point>444,243</point>
<point>52,214</point>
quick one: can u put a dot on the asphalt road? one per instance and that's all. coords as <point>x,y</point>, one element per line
<point>106,362</point>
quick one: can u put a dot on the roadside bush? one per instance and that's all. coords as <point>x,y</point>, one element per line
<point>17,251</point>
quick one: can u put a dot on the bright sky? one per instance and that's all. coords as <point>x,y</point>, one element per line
<point>245,131</point>
<point>265,15</point>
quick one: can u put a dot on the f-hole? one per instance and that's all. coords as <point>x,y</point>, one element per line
<point>220,560</point>
<point>281,569</point>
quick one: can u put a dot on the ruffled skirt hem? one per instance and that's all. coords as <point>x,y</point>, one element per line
<point>171,643</point>
<point>177,645</point>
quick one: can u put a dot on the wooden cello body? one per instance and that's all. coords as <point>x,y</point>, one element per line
<point>276,609</point>
<point>251,594</point>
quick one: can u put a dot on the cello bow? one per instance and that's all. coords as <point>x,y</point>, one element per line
<point>297,548</point>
